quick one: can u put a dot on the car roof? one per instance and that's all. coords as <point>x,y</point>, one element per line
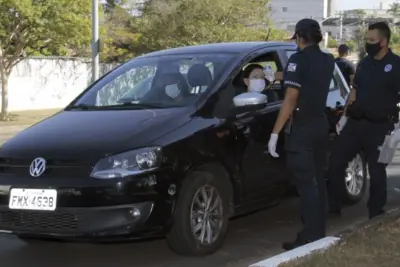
<point>233,47</point>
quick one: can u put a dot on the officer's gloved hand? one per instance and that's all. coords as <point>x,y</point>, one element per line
<point>272,145</point>
<point>340,125</point>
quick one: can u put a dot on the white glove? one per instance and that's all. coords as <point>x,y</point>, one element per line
<point>272,145</point>
<point>269,73</point>
<point>340,125</point>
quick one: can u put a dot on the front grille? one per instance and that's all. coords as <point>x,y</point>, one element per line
<point>54,169</point>
<point>45,222</point>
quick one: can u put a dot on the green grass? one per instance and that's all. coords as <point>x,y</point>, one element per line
<point>374,246</point>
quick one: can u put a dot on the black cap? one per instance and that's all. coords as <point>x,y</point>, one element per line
<point>306,26</point>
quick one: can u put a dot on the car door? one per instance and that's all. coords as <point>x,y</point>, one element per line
<point>255,163</point>
<point>262,173</point>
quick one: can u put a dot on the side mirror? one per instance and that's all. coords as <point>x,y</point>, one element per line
<point>247,102</point>
<point>251,99</point>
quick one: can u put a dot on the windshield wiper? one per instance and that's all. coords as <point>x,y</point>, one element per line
<point>82,106</point>
<point>135,103</point>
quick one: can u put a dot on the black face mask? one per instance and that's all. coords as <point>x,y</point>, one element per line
<point>373,49</point>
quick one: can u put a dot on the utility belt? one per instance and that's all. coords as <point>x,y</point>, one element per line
<point>375,116</point>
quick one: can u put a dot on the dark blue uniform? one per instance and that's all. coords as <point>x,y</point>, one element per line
<point>371,117</point>
<point>346,67</point>
<point>310,71</point>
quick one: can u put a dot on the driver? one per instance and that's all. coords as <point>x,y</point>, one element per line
<point>174,86</point>
<point>254,78</point>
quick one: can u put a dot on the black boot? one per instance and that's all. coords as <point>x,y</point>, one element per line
<point>376,214</point>
<point>300,241</point>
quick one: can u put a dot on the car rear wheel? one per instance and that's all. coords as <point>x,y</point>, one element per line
<point>356,180</point>
<point>201,217</point>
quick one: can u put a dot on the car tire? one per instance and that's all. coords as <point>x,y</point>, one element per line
<point>355,180</point>
<point>190,214</point>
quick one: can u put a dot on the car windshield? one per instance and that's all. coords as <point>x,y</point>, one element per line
<point>155,82</point>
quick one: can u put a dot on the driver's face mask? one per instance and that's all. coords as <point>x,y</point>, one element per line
<point>257,85</point>
<point>172,90</point>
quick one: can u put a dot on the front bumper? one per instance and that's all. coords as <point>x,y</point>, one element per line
<point>135,207</point>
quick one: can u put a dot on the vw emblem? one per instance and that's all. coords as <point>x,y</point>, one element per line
<point>38,166</point>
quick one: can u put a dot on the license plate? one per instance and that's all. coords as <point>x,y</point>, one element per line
<point>33,199</point>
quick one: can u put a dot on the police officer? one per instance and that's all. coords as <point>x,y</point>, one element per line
<point>302,117</point>
<point>369,115</point>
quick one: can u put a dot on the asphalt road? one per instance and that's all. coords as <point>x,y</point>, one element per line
<point>250,239</point>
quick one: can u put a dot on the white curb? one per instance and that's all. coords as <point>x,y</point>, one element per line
<point>302,251</point>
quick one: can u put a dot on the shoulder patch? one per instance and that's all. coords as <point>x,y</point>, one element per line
<point>292,67</point>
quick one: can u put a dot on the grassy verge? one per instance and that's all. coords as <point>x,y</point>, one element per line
<point>377,245</point>
<point>28,117</point>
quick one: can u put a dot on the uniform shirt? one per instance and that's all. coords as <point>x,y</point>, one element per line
<point>310,71</point>
<point>377,83</point>
<point>346,67</point>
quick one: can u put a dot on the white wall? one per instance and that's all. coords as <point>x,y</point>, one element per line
<point>296,10</point>
<point>44,83</point>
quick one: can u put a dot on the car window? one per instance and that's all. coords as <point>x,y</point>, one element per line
<point>196,88</point>
<point>264,63</point>
<point>289,53</point>
<point>333,85</point>
<point>163,80</point>
<point>134,84</point>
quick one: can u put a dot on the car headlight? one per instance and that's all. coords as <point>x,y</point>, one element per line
<point>128,163</point>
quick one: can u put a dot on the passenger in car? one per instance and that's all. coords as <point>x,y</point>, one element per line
<point>199,78</point>
<point>173,87</point>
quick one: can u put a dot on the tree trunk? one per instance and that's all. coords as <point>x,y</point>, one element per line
<point>4,93</point>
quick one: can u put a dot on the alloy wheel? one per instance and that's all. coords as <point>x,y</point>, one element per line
<point>206,215</point>
<point>355,176</point>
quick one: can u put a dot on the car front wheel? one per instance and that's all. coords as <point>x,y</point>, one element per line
<point>356,180</point>
<point>201,217</point>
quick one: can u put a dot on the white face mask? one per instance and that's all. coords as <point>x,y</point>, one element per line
<point>256,85</point>
<point>172,90</point>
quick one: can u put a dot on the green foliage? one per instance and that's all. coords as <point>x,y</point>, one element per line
<point>118,33</point>
<point>43,27</point>
<point>352,45</point>
<point>167,23</point>
<point>332,43</point>
<point>40,27</point>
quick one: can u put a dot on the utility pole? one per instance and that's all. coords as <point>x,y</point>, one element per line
<point>95,40</point>
<point>341,28</point>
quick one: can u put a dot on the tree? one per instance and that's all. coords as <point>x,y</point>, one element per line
<point>394,10</point>
<point>332,43</point>
<point>359,33</point>
<point>172,23</point>
<point>121,40</point>
<point>40,27</point>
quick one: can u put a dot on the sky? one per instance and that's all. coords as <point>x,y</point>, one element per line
<point>362,4</point>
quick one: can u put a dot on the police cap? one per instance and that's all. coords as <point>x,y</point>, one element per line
<point>306,26</point>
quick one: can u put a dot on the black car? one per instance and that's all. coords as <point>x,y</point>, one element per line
<point>111,166</point>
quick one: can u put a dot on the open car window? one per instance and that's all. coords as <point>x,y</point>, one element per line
<point>165,81</point>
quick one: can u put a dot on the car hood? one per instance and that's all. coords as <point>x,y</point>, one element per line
<point>88,135</point>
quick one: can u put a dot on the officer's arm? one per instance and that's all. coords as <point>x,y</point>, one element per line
<point>292,83</point>
<point>353,90</point>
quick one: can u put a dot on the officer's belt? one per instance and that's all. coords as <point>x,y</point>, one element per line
<point>372,118</point>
